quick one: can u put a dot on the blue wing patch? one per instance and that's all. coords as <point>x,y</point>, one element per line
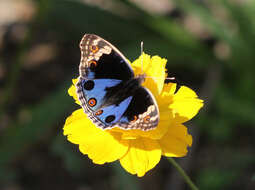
<point>94,93</point>
<point>111,114</point>
<point>95,90</point>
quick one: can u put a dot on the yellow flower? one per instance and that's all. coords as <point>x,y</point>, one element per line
<point>139,151</point>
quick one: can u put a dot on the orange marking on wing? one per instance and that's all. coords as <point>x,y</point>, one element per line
<point>92,102</point>
<point>134,118</point>
<point>99,112</point>
<point>94,48</point>
<point>92,62</point>
<point>146,119</point>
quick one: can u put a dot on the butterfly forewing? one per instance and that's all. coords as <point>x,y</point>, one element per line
<point>100,59</point>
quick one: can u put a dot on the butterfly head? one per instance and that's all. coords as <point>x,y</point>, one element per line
<point>141,78</point>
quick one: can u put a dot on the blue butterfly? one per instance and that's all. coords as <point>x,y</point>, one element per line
<point>109,92</point>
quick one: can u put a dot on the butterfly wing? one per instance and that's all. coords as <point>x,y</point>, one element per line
<point>92,93</point>
<point>101,66</point>
<point>100,59</point>
<point>136,111</point>
<point>142,112</point>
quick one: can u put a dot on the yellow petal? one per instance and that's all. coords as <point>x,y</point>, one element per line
<point>99,145</point>
<point>155,71</point>
<point>143,155</point>
<point>76,116</point>
<point>185,104</point>
<point>168,90</point>
<point>72,91</point>
<point>176,141</point>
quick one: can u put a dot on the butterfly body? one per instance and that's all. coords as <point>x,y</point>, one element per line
<point>109,92</point>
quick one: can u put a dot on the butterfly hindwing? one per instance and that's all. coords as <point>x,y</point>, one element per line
<point>110,115</point>
<point>142,112</point>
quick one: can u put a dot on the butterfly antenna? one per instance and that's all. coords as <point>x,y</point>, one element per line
<point>170,78</point>
<point>167,78</point>
<point>142,55</point>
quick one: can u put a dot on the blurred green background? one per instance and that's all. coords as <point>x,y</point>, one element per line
<point>210,47</point>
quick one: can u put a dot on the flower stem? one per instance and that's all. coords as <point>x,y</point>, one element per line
<point>183,174</point>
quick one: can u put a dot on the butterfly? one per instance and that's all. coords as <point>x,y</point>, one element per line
<point>109,92</point>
